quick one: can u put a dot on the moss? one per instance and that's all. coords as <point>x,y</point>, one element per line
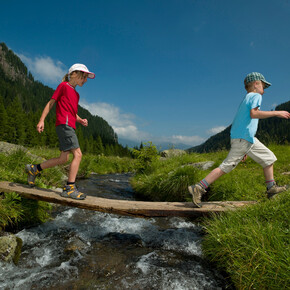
<point>17,251</point>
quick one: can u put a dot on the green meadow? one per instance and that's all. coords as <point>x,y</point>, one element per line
<point>167,180</point>
<point>15,211</point>
<point>250,244</point>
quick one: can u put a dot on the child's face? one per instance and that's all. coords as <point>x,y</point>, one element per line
<point>80,78</point>
<point>259,87</point>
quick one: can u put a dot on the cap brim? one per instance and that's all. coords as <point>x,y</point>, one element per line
<point>267,85</point>
<point>90,74</point>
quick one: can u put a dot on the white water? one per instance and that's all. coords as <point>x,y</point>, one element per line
<point>116,252</point>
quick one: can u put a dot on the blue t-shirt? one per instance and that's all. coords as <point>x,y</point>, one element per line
<point>244,127</point>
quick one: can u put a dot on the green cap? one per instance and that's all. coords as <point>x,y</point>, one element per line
<point>255,76</point>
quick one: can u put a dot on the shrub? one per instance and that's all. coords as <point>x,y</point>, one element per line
<point>145,156</point>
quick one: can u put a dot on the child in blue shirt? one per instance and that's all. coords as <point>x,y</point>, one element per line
<point>243,140</point>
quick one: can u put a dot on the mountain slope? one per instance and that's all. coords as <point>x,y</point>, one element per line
<point>22,98</point>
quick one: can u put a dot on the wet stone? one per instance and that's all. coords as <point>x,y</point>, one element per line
<point>10,247</point>
<point>75,244</point>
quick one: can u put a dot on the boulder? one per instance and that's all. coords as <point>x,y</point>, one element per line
<point>75,244</point>
<point>10,247</point>
<point>9,148</point>
<point>201,165</point>
<point>172,153</point>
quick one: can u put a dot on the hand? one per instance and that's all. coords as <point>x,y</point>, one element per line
<point>84,122</point>
<point>40,126</point>
<point>283,114</point>
<point>244,158</point>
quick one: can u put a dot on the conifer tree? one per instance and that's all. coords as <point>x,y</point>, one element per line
<point>99,146</point>
<point>16,123</point>
<point>3,121</point>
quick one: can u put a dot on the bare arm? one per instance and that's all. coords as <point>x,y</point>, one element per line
<point>47,108</point>
<point>84,122</point>
<point>257,114</point>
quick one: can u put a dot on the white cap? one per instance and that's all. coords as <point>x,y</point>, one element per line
<point>83,68</point>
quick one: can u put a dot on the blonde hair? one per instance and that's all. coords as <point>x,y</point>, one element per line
<point>249,86</point>
<point>67,77</point>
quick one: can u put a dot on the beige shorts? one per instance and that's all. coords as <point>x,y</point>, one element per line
<point>240,147</point>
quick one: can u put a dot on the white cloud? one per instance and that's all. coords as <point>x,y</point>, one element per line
<point>45,68</point>
<point>216,130</point>
<point>122,123</point>
<point>188,140</point>
<point>125,126</point>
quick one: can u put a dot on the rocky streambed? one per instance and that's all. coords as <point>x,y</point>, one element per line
<point>81,249</point>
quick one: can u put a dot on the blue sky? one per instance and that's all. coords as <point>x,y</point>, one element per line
<point>166,70</point>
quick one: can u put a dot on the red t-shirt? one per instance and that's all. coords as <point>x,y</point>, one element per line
<point>67,100</point>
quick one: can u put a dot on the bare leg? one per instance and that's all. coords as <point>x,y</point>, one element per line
<point>269,172</point>
<point>214,175</point>
<point>74,167</point>
<point>63,158</point>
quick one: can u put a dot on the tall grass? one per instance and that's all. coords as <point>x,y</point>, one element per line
<point>16,211</point>
<point>252,244</point>
<point>91,163</point>
<point>167,180</point>
<point>105,164</point>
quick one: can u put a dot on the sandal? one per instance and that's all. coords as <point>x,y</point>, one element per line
<point>32,172</point>
<point>72,192</point>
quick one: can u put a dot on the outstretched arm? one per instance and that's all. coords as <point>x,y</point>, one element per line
<point>257,114</point>
<point>47,108</point>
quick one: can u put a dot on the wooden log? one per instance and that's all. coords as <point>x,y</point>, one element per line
<point>124,207</point>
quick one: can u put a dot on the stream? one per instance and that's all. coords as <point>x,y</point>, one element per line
<point>82,249</point>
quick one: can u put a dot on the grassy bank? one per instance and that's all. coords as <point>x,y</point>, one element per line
<point>167,180</point>
<point>250,244</point>
<point>16,211</point>
<point>92,163</point>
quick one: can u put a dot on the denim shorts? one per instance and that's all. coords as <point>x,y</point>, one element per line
<point>240,147</point>
<point>67,138</point>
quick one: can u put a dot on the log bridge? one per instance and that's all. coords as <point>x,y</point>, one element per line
<point>124,207</point>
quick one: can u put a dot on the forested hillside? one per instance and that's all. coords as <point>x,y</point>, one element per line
<point>271,130</point>
<point>22,100</point>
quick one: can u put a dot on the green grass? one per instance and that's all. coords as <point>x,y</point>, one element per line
<point>91,163</point>
<point>105,164</point>
<point>16,211</point>
<point>167,180</point>
<point>252,244</point>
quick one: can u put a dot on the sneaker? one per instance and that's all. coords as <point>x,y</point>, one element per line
<point>275,189</point>
<point>196,191</point>
<point>32,172</point>
<point>72,192</point>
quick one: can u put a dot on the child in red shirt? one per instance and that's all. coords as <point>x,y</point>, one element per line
<point>66,99</point>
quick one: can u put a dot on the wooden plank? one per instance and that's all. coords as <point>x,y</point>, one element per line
<point>124,207</point>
